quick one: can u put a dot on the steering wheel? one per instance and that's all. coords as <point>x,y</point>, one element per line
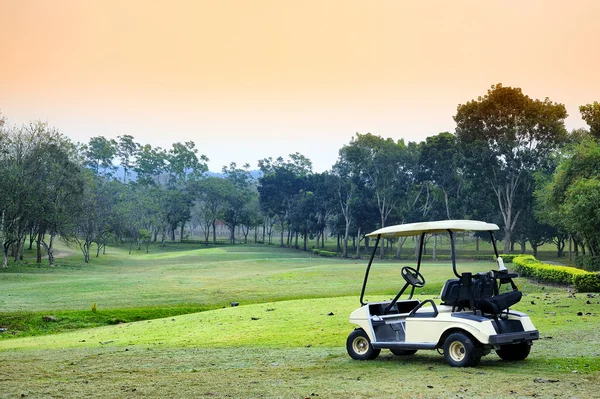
<point>413,277</point>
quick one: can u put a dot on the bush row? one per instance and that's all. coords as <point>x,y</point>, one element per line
<point>322,252</point>
<point>588,262</point>
<point>203,242</point>
<point>584,281</point>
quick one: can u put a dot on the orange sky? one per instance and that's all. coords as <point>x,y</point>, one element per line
<point>251,79</point>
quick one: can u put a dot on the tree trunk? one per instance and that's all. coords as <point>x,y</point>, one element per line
<point>346,234</point>
<point>38,245</point>
<point>477,243</point>
<point>49,250</point>
<point>282,231</point>
<point>401,241</point>
<point>181,231</point>
<point>417,244</point>
<point>434,255</point>
<point>305,239</point>
<point>4,246</point>
<point>382,250</point>
<point>523,244</point>
<point>4,254</point>
<point>357,246</point>
<point>214,231</point>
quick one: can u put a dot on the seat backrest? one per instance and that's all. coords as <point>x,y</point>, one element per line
<point>450,291</point>
<point>483,287</point>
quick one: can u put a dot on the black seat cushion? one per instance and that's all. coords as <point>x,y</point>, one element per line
<point>498,303</point>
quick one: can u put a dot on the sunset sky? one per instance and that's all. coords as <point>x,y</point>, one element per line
<point>251,79</point>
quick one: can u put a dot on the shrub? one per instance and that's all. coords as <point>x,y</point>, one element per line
<point>322,252</point>
<point>203,242</point>
<point>588,262</point>
<point>528,266</point>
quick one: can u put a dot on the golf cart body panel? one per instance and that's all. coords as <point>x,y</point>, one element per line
<point>473,318</point>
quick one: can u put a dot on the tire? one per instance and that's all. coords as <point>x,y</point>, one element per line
<point>514,352</point>
<point>403,352</point>
<point>359,346</point>
<point>461,350</point>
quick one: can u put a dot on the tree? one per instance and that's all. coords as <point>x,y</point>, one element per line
<point>210,196</point>
<point>572,195</point>
<point>280,185</point>
<point>590,113</point>
<point>505,136</point>
<point>239,195</point>
<point>100,153</point>
<point>150,164</point>
<point>184,163</point>
<point>383,166</point>
<point>126,150</point>
<point>438,158</point>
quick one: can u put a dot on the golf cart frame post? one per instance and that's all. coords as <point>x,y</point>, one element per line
<point>419,257</point>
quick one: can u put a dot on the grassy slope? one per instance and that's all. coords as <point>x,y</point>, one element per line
<point>204,277</point>
<point>294,349</point>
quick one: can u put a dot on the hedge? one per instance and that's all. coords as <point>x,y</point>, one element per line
<point>203,242</point>
<point>528,266</point>
<point>322,252</point>
<point>588,262</point>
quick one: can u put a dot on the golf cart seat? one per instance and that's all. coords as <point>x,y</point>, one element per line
<point>497,304</point>
<point>477,293</point>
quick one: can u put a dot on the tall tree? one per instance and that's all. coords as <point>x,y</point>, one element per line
<point>126,150</point>
<point>438,158</point>
<point>100,153</point>
<point>505,136</point>
<point>280,185</point>
<point>591,115</point>
<point>383,167</point>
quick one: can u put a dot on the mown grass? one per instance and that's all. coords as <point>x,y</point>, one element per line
<point>204,277</point>
<point>294,349</point>
<point>285,340</point>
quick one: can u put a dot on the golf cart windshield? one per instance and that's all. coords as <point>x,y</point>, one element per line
<point>422,228</point>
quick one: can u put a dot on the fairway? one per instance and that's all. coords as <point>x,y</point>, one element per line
<point>181,274</point>
<point>286,339</point>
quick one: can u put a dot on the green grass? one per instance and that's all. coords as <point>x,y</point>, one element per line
<point>208,277</point>
<point>280,342</point>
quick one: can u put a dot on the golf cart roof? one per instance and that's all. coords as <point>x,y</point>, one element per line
<point>441,226</point>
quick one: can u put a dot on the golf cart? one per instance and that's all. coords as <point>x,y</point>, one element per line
<point>473,318</point>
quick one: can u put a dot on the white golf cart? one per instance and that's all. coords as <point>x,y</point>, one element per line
<point>473,317</point>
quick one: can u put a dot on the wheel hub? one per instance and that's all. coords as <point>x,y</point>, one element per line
<point>360,345</point>
<point>457,351</point>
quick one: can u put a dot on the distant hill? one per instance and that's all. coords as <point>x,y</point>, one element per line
<point>256,174</point>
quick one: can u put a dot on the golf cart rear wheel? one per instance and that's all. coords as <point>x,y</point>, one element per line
<point>518,351</point>
<point>461,350</point>
<point>359,346</point>
<point>403,352</point>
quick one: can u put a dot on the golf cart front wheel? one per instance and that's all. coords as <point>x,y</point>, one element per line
<point>359,346</point>
<point>518,351</point>
<point>461,350</point>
